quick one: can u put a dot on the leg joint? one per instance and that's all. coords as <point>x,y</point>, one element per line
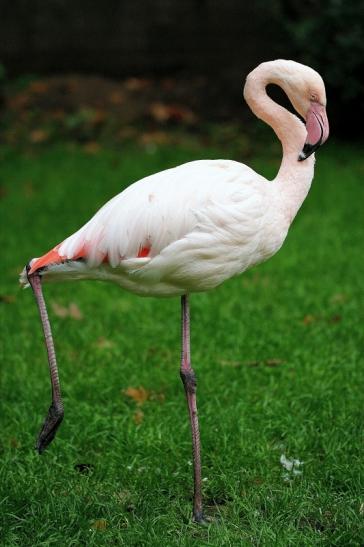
<point>189,380</point>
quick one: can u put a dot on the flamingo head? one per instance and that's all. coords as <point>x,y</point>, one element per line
<point>306,91</point>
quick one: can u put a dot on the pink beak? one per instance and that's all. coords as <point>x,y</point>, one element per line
<point>317,126</point>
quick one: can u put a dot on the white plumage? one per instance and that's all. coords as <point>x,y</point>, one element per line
<point>201,223</point>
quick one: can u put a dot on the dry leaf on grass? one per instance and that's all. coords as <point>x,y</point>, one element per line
<point>104,343</point>
<point>335,319</point>
<point>38,136</point>
<point>72,311</point>
<point>138,417</point>
<point>92,147</point>
<point>163,113</point>
<point>7,298</point>
<point>138,394</point>
<point>99,524</point>
<point>308,319</point>
<point>273,362</point>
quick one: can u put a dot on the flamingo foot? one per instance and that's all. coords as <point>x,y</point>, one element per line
<point>200,518</point>
<point>49,429</point>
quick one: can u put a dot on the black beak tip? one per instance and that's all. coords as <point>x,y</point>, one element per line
<point>307,150</point>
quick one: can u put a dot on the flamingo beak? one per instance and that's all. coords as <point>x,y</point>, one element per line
<point>317,126</point>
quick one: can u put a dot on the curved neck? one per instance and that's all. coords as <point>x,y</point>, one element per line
<point>294,177</point>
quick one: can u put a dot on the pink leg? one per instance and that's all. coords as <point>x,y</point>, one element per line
<point>189,382</point>
<point>55,412</point>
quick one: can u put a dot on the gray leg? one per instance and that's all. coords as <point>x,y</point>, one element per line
<point>55,412</point>
<point>189,382</point>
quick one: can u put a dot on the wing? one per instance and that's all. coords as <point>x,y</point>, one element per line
<point>154,212</point>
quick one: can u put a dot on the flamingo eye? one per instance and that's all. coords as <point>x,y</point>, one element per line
<point>313,97</point>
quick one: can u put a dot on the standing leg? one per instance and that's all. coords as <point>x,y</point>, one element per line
<point>189,382</point>
<point>55,412</point>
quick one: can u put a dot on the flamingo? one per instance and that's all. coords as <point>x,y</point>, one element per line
<point>190,228</point>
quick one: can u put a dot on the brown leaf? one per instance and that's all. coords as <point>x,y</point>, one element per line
<point>138,394</point>
<point>92,147</point>
<point>273,362</point>
<point>138,417</point>
<point>38,136</point>
<point>335,319</point>
<point>116,97</point>
<point>154,137</point>
<point>75,312</point>
<point>99,524</point>
<point>39,87</point>
<point>104,343</point>
<point>137,84</point>
<point>71,311</point>
<point>7,298</point>
<point>308,319</point>
<point>163,113</point>
<point>59,310</point>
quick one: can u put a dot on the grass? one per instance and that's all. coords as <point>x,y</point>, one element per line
<point>277,351</point>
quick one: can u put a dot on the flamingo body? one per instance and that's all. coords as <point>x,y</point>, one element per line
<point>183,230</point>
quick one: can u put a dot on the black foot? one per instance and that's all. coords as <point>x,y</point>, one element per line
<point>200,518</point>
<point>50,426</point>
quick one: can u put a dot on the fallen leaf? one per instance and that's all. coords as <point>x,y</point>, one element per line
<point>116,97</point>
<point>154,137</point>
<point>163,113</point>
<point>71,311</point>
<point>99,524</point>
<point>38,136</point>
<point>137,84</point>
<point>308,319</point>
<point>38,87</point>
<point>74,311</point>
<point>138,417</point>
<point>7,298</point>
<point>273,362</point>
<point>335,319</point>
<point>59,310</point>
<point>139,395</point>
<point>92,147</point>
<point>104,343</point>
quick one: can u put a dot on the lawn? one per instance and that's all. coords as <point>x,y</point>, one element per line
<point>278,353</point>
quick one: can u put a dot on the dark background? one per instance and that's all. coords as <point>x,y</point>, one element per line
<point>222,41</point>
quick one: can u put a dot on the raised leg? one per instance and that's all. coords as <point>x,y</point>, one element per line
<point>55,412</point>
<point>189,382</point>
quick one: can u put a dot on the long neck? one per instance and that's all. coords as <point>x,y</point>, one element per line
<point>294,178</point>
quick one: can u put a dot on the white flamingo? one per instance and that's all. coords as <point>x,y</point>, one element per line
<point>190,228</point>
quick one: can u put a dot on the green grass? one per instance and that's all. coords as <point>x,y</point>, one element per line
<point>302,309</point>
